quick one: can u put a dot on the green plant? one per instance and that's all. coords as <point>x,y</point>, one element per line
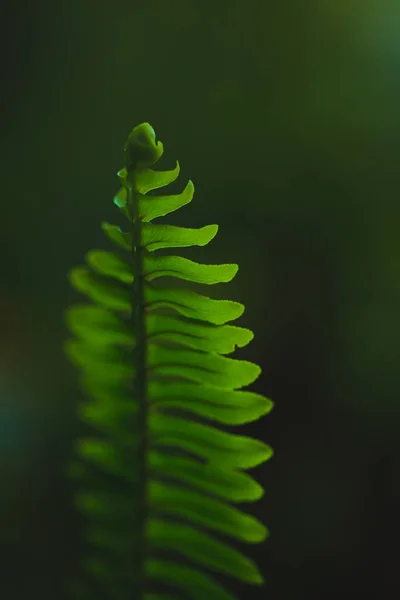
<point>157,479</point>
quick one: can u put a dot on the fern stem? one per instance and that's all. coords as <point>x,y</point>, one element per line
<point>140,384</point>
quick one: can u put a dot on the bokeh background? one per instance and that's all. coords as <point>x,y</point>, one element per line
<point>286,116</point>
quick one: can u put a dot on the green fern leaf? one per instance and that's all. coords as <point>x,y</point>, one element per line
<point>157,479</point>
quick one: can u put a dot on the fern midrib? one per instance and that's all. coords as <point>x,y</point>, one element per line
<point>140,381</point>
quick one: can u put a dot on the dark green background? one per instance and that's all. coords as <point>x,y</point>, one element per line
<point>286,116</point>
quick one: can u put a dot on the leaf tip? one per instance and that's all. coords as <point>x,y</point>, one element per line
<point>141,147</point>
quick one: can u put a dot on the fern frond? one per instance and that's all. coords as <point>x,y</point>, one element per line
<point>157,478</point>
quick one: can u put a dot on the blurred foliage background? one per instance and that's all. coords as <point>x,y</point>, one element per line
<point>286,116</point>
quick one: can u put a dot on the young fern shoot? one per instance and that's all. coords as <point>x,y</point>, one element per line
<point>158,478</point>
